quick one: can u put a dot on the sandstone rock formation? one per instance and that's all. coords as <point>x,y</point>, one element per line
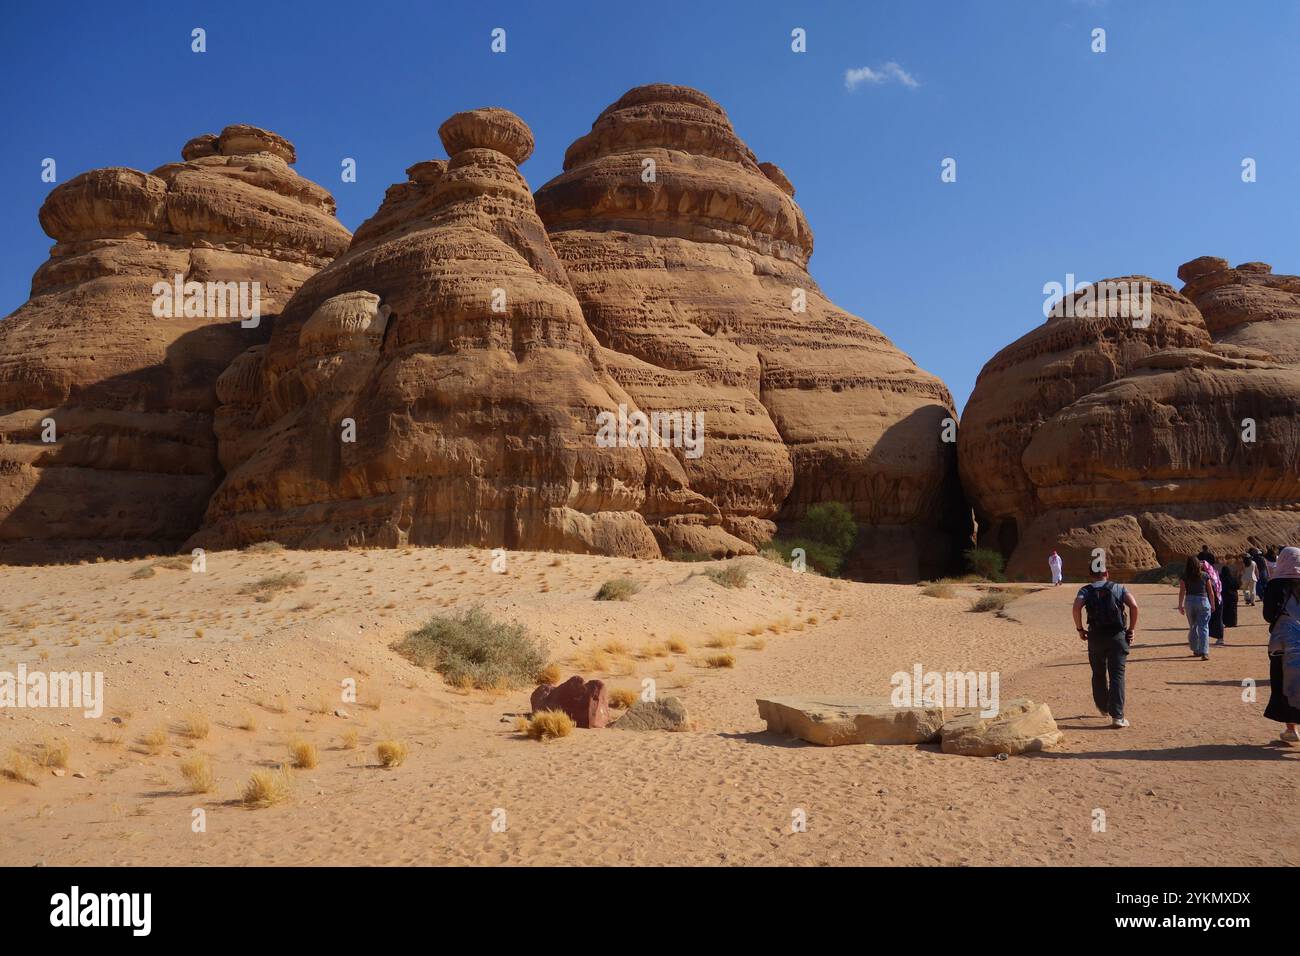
<point>667,713</point>
<point>437,384</point>
<point>689,259</point>
<point>833,721</point>
<point>1093,431</point>
<point>131,395</point>
<point>456,336</point>
<point>586,702</point>
<point>1020,726</point>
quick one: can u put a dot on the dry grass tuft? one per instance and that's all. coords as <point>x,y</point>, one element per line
<point>550,674</point>
<point>350,740</point>
<point>720,660</point>
<point>267,787</point>
<point>197,771</point>
<point>549,724</point>
<point>55,752</point>
<point>677,645</point>
<point>622,698</point>
<point>303,754</point>
<point>20,769</point>
<point>195,725</point>
<point>155,741</point>
<point>391,753</point>
<point>722,641</point>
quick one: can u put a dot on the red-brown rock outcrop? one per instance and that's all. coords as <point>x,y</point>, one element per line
<point>437,384</point>
<point>689,259</point>
<point>1146,441</point>
<point>456,334</point>
<point>130,394</point>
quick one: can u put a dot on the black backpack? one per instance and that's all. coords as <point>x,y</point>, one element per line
<point>1105,610</point>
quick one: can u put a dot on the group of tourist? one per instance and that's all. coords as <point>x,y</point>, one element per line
<point>1208,594</point>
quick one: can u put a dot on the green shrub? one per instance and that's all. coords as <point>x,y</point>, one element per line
<point>732,576</point>
<point>820,557</point>
<point>677,554</point>
<point>830,523</point>
<point>986,562</point>
<point>995,601</point>
<point>475,649</point>
<point>938,589</point>
<point>617,589</point>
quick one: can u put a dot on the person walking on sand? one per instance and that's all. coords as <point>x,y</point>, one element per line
<point>1261,572</point>
<point>1195,597</point>
<point>1282,611</point>
<point>1231,586</point>
<point>1216,612</point>
<point>1109,639</point>
<point>1054,565</point>
<point>1248,579</point>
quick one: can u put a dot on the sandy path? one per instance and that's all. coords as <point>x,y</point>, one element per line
<point>1193,782</point>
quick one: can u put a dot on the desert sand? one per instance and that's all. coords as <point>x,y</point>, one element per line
<point>1199,779</point>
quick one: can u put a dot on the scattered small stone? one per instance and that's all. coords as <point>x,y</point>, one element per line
<point>117,720</point>
<point>1151,793</point>
<point>79,775</point>
<point>340,713</point>
<point>58,773</point>
<point>1001,757</point>
<point>193,660</point>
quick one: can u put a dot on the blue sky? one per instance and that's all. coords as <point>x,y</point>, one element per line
<point>1068,161</point>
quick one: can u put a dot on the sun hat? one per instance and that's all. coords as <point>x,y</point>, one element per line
<point>1288,564</point>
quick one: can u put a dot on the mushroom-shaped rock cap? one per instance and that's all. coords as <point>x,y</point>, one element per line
<point>240,139</point>
<point>487,128</point>
<point>204,145</point>
<point>1201,267</point>
<point>665,93</point>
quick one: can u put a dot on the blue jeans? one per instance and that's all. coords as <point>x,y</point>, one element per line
<point>1197,608</point>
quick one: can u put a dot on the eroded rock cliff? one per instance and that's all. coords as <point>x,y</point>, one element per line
<point>133,458</point>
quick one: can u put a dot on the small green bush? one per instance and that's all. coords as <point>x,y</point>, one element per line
<point>617,589</point>
<point>732,576</point>
<point>473,648</point>
<point>986,562</point>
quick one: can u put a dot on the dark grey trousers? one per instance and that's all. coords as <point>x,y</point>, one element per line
<point>1107,656</point>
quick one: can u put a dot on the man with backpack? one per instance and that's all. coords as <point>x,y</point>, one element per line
<point>1108,640</point>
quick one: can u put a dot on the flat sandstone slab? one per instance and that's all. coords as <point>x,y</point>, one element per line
<point>831,721</point>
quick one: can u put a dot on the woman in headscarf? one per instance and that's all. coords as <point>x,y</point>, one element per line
<point>1228,578</point>
<point>1282,611</point>
<point>1216,611</point>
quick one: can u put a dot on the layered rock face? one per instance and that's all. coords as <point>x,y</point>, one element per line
<point>1146,440</point>
<point>437,384</point>
<point>475,352</point>
<point>131,394</point>
<point>689,259</point>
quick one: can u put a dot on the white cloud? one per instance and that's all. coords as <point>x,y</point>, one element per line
<point>891,72</point>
